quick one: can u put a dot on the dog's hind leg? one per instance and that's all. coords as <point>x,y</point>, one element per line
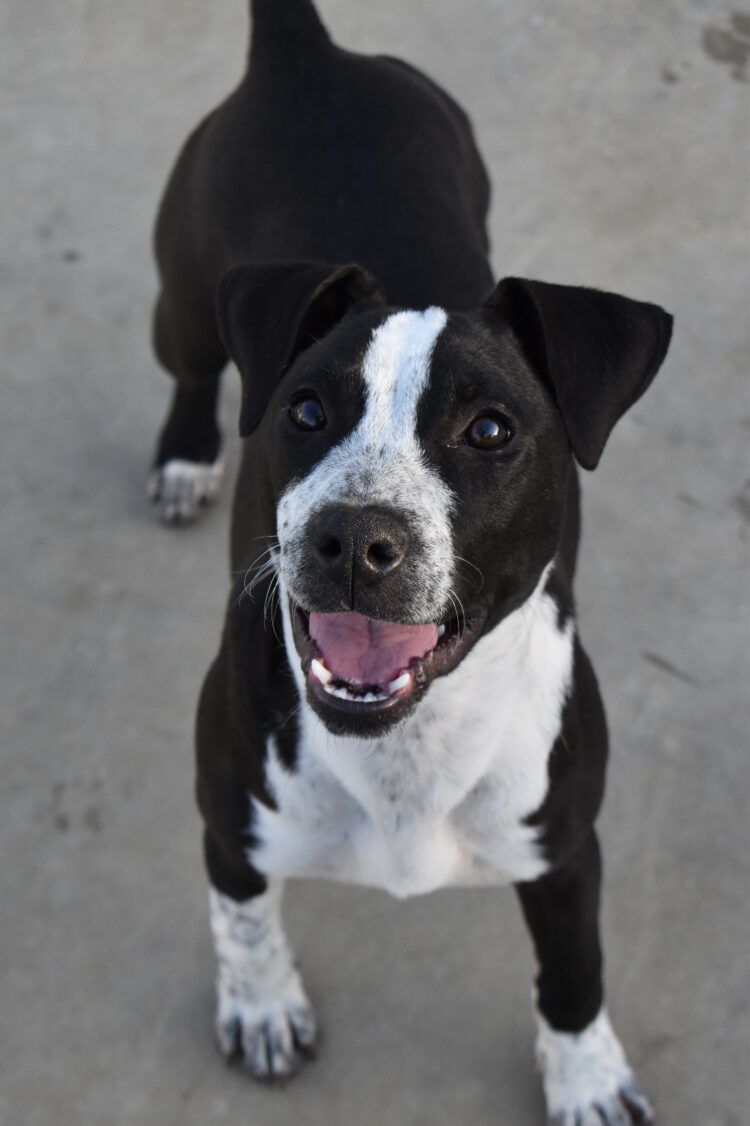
<point>187,467</point>
<point>587,1079</point>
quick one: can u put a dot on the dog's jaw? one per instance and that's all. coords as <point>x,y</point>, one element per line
<point>357,707</point>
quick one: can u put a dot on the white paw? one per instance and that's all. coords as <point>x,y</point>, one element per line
<point>587,1080</point>
<point>262,1013</point>
<point>181,488</point>
<point>271,1036</point>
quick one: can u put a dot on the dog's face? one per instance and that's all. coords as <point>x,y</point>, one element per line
<point>420,471</point>
<point>419,463</point>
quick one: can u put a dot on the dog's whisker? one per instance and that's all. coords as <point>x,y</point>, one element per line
<point>292,712</point>
<point>265,563</point>
<point>453,604</point>
<point>268,599</point>
<point>269,552</point>
<point>275,546</point>
<point>458,608</point>
<point>257,563</point>
<point>270,566</point>
<point>263,571</point>
<point>272,604</point>
<point>460,559</point>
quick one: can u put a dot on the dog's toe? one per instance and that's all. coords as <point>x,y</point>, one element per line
<point>229,1036</point>
<point>180,488</point>
<point>271,1039</point>
<point>268,1049</point>
<point>304,1030</point>
<point>628,1108</point>
<point>637,1106</point>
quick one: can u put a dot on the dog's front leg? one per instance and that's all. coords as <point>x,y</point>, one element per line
<point>262,1010</point>
<point>587,1079</point>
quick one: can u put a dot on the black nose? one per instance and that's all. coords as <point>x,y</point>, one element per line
<point>357,546</point>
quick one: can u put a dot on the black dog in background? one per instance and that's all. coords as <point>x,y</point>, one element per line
<point>400,698</point>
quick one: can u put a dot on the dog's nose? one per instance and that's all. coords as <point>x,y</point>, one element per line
<point>359,545</point>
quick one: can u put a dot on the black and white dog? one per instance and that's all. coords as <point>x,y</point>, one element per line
<point>400,698</point>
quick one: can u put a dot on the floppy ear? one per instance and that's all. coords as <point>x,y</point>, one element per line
<point>598,351</point>
<point>269,313</point>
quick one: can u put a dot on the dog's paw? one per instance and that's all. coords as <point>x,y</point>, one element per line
<point>271,1037</point>
<point>181,488</point>
<point>263,1016</point>
<point>587,1080</point>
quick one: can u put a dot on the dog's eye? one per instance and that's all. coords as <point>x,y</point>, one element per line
<point>488,432</point>
<point>307,413</point>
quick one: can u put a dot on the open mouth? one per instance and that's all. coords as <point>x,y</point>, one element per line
<point>364,675</point>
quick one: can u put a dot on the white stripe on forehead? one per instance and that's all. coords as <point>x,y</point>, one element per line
<point>381,462</point>
<point>396,369</point>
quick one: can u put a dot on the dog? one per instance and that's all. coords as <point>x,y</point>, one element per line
<point>401,698</point>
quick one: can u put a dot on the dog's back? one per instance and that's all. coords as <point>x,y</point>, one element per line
<point>324,144</point>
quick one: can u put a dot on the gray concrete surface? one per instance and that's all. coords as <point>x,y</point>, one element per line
<point>617,136</point>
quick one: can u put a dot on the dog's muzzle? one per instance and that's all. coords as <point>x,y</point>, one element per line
<point>369,636</point>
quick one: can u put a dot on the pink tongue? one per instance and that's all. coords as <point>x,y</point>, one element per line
<point>362,651</point>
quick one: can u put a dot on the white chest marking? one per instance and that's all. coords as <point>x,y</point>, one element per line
<point>442,798</point>
<point>382,462</point>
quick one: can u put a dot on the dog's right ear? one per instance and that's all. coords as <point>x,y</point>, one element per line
<point>269,313</point>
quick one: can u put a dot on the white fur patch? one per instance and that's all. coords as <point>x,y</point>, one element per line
<point>381,462</point>
<point>262,1009</point>
<point>442,798</point>
<point>587,1080</point>
<point>181,488</point>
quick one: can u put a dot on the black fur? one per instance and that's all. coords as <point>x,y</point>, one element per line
<point>321,159</point>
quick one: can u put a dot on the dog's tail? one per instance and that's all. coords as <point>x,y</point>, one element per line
<point>281,27</point>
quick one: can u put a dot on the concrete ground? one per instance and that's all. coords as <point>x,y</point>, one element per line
<point>617,137</point>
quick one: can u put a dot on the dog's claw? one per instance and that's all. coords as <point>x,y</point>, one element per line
<point>270,1040</point>
<point>587,1079</point>
<point>228,1035</point>
<point>637,1106</point>
<point>629,1108</point>
<point>181,488</point>
<point>268,1050</point>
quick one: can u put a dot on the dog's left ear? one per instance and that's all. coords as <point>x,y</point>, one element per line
<point>597,350</point>
<point>270,312</point>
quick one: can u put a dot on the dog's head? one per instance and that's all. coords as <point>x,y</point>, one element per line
<point>419,460</point>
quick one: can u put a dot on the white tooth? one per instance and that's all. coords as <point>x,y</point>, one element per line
<point>441,629</point>
<point>345,694</point>
<point>320,672</point>
<point>399,682</point>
